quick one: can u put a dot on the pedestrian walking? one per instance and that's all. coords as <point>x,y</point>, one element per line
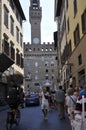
<point>79,121</point>
<point>50,101</point>
<point>60,98</point>
<point>78,108</point>
<point>70,102</point>
<point>82,91</point>
<point>44,102</point>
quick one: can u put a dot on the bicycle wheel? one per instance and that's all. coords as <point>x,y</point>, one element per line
<point>8,126</point>
<point>8,121</point>
<point>18,116</point>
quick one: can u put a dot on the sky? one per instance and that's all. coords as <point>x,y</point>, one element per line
<point>48,25</point>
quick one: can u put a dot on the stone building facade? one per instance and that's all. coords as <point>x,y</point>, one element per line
<point>74,52</point>
<point>76,37</point>
<point>39,58</point>
<point>11,44</point>
<point>39,65</point>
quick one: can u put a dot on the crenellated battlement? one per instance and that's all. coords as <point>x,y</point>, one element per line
<point>44,43</point>
<point>45,47</point>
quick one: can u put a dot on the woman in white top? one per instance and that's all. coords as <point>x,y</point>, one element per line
<point>44,102</point>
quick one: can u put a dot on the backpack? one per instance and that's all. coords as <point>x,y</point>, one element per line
<point>13,96</point>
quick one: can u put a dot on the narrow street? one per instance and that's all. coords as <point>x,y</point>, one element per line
<point>32,119</point>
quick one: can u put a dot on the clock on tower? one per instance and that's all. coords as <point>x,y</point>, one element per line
<point>36,40</point>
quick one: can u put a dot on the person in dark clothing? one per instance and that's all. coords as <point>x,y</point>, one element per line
<point>22,95</point>
<point>13,97</point>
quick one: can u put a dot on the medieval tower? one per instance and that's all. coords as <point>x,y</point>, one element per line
<point>39,58</point>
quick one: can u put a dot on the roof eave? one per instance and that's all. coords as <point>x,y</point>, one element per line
<point>59,4</point>
<point>18,5</point>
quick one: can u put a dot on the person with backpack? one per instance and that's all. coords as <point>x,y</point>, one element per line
<point>14,97</point>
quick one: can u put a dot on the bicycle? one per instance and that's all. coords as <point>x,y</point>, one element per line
<point>13,117</point>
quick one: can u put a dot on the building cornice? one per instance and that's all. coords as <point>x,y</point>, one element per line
<point>18,5</point>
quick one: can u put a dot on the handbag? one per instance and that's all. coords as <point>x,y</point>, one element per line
<point>73,100</point>
<point>46,96</point>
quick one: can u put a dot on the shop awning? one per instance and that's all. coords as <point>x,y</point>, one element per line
<point>5,62</point>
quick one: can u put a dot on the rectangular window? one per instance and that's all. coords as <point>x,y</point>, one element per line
<point>21,39</point>
<point>68,26</point>
<point>66,4</point>
<point>80,59</point>
<point>76,35</point>
<point>70,48</point>
<point>6,46</point>
<point>83,19</point>
<point>22,62</point>
<point>17,57</point>
<point>17,15</point>
<point>81,77</point>
<point>6,16</point>
<point>75,7</point>
<point>11,25</point>
<point>17,34</point>
<point>21,21</point>
<point>12,50</point>
<point>46,70</point>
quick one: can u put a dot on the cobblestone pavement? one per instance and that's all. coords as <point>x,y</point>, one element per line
<point>32,119</point>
